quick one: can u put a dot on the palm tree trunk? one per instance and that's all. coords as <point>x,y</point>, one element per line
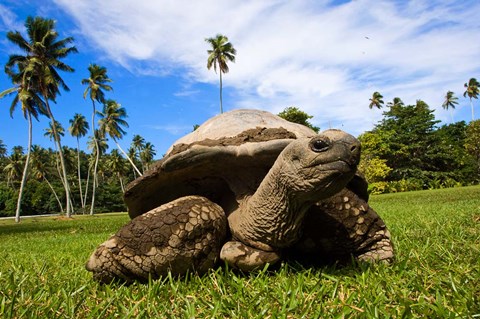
<point>62,161</point>
<point>78,173</point>
<point>84,199</point>
<point>25,170</point>
<point>221,105</point>
<point>97,159</point>
<point>95,178</point>
<point>54,193</point>
<point>86,188</point>
<point>471,105</point>
<point>128,158</point>
<point>121,182</point>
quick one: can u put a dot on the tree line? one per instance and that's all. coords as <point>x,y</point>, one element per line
<point>408,150</point>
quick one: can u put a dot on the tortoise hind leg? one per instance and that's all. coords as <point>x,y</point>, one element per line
<point>183,235</point>
<point>343,226</point>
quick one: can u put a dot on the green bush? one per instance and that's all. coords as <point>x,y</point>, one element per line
<point>8,198</point>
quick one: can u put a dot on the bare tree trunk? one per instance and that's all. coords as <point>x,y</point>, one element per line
<point>54,193</point>
<point>221,105</point>
<point>56,137</point>
<point>86,188</point>
<point>25,170</point>
<point>95,179</point>
<point>471,105</point>
<point>97,159</point>
<point>79,175</point>
<point>128,158</point>
<point>121,182</point>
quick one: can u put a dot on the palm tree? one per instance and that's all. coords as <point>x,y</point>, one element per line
<point>376,100</point>
<point>111,123</point>
<point>472,91</point>
<point>221,52</point>
<point>147,154</point>
<point>50,131</point>
<point>396,102</point>
<point>79,128</point>
<point>44,52</point>
<point>17,150</point>
<point>450,101</point>
<point>32,105</point>
<point>96,85</point>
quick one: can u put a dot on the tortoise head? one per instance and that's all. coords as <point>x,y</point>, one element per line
<point>319,167</point>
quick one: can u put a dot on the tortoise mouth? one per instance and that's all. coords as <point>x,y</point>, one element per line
<point>341,166</point>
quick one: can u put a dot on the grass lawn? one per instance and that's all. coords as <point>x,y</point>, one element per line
<point>436,275</point>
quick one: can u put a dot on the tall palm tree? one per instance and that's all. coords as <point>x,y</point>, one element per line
<point>79,128</point>
<point>450,101</point>
<point>221,52</point>
<point>111,124</point>
<point>147,154</point>
<point>31,105</point>
<point>40,65</point>
<point>472,91</point>
<point>96,85</point>
<point>376,100</point>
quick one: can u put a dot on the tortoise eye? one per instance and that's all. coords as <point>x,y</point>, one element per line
<point>320,145</point>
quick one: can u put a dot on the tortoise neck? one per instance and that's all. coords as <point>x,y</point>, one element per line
<point>273,215</point>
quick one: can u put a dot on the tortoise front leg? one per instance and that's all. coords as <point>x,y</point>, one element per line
<point>183,235</point>
<point>246,258</point>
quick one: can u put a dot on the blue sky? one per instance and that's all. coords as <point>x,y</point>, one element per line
<point>325,57</point>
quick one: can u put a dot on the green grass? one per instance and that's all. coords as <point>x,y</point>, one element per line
<point>436,275</point>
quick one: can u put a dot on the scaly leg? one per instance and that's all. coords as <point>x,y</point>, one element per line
<point>183,235</point>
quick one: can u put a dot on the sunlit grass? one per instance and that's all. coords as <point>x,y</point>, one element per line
<point>436,275</point>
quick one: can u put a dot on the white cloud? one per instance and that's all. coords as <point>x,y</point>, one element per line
<point>326,59</point>
<point>8,20</point>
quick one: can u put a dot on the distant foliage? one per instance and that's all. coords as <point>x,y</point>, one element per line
<point>407,151</point>
<point>472,143</point>
<point>295,115</point>
<point>39,198</point>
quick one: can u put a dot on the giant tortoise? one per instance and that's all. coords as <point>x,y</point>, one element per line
<point>246,187</point>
